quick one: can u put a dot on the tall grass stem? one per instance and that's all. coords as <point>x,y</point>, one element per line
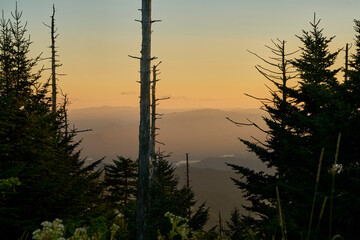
<point>321,214</point>
<point>333,183</point>
<point>281,222</point>
<point>315,192</point>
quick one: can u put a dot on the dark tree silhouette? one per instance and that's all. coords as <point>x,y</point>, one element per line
<point>309,120</point>
<point>198,217</point>
<point>142,217</point>
<point>154,117</point>
<point>315,112</point>
<point>54,61</point>
<point>236,228</point>
<point>120,181</point>
<point>167,197</point>
<point>55,183</point>
<point>260,185</point>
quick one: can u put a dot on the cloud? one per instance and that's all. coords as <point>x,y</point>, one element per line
<point>199,99</point>
<point>128,93</point>
<point>176,97</point>
<point>227,156</point>
<point>184,162</point>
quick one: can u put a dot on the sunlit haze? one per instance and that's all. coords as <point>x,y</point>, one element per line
<point>202,45</point>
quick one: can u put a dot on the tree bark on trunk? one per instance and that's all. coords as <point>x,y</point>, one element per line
<point>53,61</point>
<point>188,187</point>
<point>283,70</point>
<point>346,62</point>
<point>220,225</point>
<point>153,126</point>
<point>142,221</point>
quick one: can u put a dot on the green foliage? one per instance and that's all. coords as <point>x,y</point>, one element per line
<point>120,184</point>
<point>178,227</point>
<point>199,217</point>
<point>9,184</point>
<point>54,230</point>
<point>181,230</point>
<point>347,182</point>
<point>167,197</point>
<point>121,181</point>
<point>114,227</point>
<point>314,112</point>
<point>98,230</point>
<point>237,229</point>
<point>36,147</point>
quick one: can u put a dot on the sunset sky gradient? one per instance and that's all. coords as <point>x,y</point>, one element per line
<point>202,44</point>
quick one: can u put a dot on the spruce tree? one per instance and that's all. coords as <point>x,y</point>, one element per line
<point>347,191</point>
<point>320,116</point>
<point>55,183</point>
<point>315,113</point>
<point>258,186</point>
<point>196,218</point>
<point>167,197</point>
<point>353,85</point>
<point>120,181</point>
<point>199,216</point>
<point>236,228</point>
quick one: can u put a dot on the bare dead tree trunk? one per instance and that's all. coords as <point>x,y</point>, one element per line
<point>153,113</point>
<point>188,186</point>
<point>53,63</point>
<point>143,194</point>
<point>346,61</point>
<point>142,220</point>
<point>153,126</point>
<point>220,225</point>
<point>283,70</point>
<point>65,115</point>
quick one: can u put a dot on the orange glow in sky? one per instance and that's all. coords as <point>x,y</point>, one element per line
<point>202,45</point>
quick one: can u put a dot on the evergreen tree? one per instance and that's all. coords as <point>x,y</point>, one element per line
<point>200,216</point>
<point>196,219</point>
<point>55,183</point>
<point>315,113</point>
<point>120,184</point>
<point>353,85</point>
<point>259,187</point>
<point>236,228</point>
<point>120,181</point>
<point>166,197</point>
<point>347,191</point>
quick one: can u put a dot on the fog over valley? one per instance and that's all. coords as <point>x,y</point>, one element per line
<point>203,133</point>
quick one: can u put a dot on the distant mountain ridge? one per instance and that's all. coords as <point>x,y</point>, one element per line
<point>203,132</point>
<point>211,182</point>
<point>210,139</point>
<point>216,188</point>
<point>220,163</point>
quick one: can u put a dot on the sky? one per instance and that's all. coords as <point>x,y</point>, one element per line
<point>202,45</point>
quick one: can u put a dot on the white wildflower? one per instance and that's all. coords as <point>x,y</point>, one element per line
<point>336,168</point>
<point>54,230</point>
<point>114,227</point>
<point>80,234</point>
